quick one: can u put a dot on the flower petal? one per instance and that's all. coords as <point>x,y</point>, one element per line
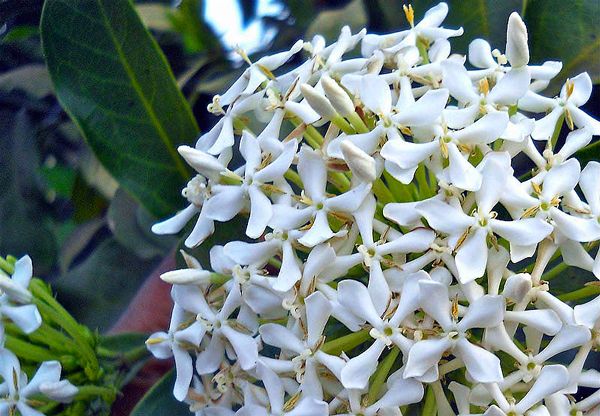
<point>482,365</point>
<point>485,312</point>
<point>435,302</point>
<point>424,355</point>
<point>355,297</point>
<point>356,373</point>
<point>318,309</point>
<point>471,257</point>
<point>552,378</point>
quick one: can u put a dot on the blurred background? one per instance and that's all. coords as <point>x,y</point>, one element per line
<point>89,237</point>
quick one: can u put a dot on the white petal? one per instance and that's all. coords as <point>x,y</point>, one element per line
<point>576,228</point>
<point>279,166</point>
<point>425,111</point>
<point>482,365</point>
<point>349,201</point>
<point>544,127</point>
<point>444,217</point>
<point>435,302</point>
<point>561,179</point>
<point>174,224</point>
<point>552,378</point>
<point>319,231</point>
<point>582,119</point>
<point>459,118</point>
<point>485,130</point>
<point>517,50</point>
<point>302,110</point>
<point>281,337</point>
<point>569,337</point>
<point>471,257</point>
<point>405,176</point>
<point>407,154</point>
<point>575,141</point>
<point>355,297</point>
<point>202,162</point>
<point>424,355</point>
<point>48,372</point>
<point>367,142</point>
<point>402,213</point>
<point>204,227</point>
<point>226,202</point>
<point>251,253</point>
<point>375,94</point>
<point>588,313</point>
<point>413,242</point>
<point>523,232</point>
<point>410,297</point>
<point>378,288</point>
<point>289,272</point>
<point>184,370</point>
<point>485,312</point>
<point>318,309</point>
<point>225,139</point>
<point>260,212</point>
<point>400,393</point>
<point>26,317</point>
<point>244,346</point>
<point>24,271</point>
<point>313,172</point>
<point>356,373</point>
<point>589,184</point>
<point>457,81</point>
<point>288,218</point>
<point>462,173</point>
<point>545,320</point>
<point>494,176</point>
<point>309,407</point>
<point>480,54</point>
<point>582,89</point>
<point>210,359</point>
<point>273,386</point>
<point>511,87</point>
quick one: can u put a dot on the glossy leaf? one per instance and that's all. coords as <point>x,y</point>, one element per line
<point>567,32</point>
<point>115,83</point>
<point>159,398</point>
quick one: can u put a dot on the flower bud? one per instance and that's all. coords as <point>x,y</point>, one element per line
<point>318,101</point>
<point>361,164</point>
<point>186,276</point>
<point>15,292</point>
<point>339,99</point>
<point>204,163</point>
<point>517,50</point>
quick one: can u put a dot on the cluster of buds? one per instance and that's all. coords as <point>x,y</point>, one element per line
<point>17,393</point>
<point>384,227</point>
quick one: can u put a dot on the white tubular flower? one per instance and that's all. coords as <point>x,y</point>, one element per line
<point>485,312</point>
<point>15,298</point>
<point>552,378</point>
<point>275,405</point>
<point>17,394</point>
<point>385,326</point>
<point>177,343</point>
<point>575,93</point>
<point>472,231</point>
<point>382,214</point>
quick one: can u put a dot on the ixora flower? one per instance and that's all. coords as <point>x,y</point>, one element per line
<point>384,224</point>
<point>15,298</point>
<point>17,393</point>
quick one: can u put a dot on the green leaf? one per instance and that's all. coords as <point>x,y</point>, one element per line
<point>115,83</point>
<point>329,22</point>
<point>565,31</point>
<point>159,398</point>
<point>589,153</point>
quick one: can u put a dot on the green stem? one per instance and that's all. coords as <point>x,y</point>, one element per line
<point>380,375</point>
<point>28,351</point>
<point>50,307</point>
<point>293,177</point>
<point>358,123</point>
<point>91,391</point>
<point>343,125</point>
<point>383,194</point>
<point>557,130</point>
<point>429,408</point>
<point>555,271</point>
<point>346,343</point>
<point>584,292</point>
<point>6,266</point>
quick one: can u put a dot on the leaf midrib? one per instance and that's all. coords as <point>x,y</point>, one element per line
<point>137,88</point>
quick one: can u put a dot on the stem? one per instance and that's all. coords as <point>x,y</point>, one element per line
<point>381,374</point>
<point>293,177</point>
<point>6,266</point>
<point>429,406</point>
<point>91,391</point>
<point>585,292</point>
<point>358,123</point>
<point>555,271</point>
<point>557,130</point>
<point>382,192</point>
<point>343,124</point>
<point>421,177</point>
<point>345,343</point>
<point>28,351</point>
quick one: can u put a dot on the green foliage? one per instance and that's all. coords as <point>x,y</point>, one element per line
<point>159,398</point>
<point>117,87</point>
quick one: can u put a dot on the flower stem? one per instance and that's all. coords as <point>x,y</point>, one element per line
<point>584,292</point>
<point>345,343</point>
<point>429,408</point>
<point>380,375</point>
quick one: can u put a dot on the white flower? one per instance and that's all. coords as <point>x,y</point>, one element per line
<point>16,300</point>
<point>17,393</point>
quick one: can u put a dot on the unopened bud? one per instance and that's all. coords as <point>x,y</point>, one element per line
<point>204,163</point>
<point>318,101</point>
<point>361,164</point>
<point>186,276</point>
<point>339,99</point>
<point>517,50</point>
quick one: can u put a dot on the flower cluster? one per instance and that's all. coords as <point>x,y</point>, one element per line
<point>17,393</point>
<point>383,213</point>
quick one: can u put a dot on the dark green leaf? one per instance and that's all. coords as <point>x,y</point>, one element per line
<point>130,224</point>
<point>113,80</point>
<point>329,22</point>
<point>589,153</point>
<point>99,289</point>
<point>159,398</point>
<point>565,31</point>
<point>123,342</point>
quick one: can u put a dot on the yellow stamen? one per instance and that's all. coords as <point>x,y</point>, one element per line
<point>570,86</point>
<point>484,86</point>
<point>410,14</point>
